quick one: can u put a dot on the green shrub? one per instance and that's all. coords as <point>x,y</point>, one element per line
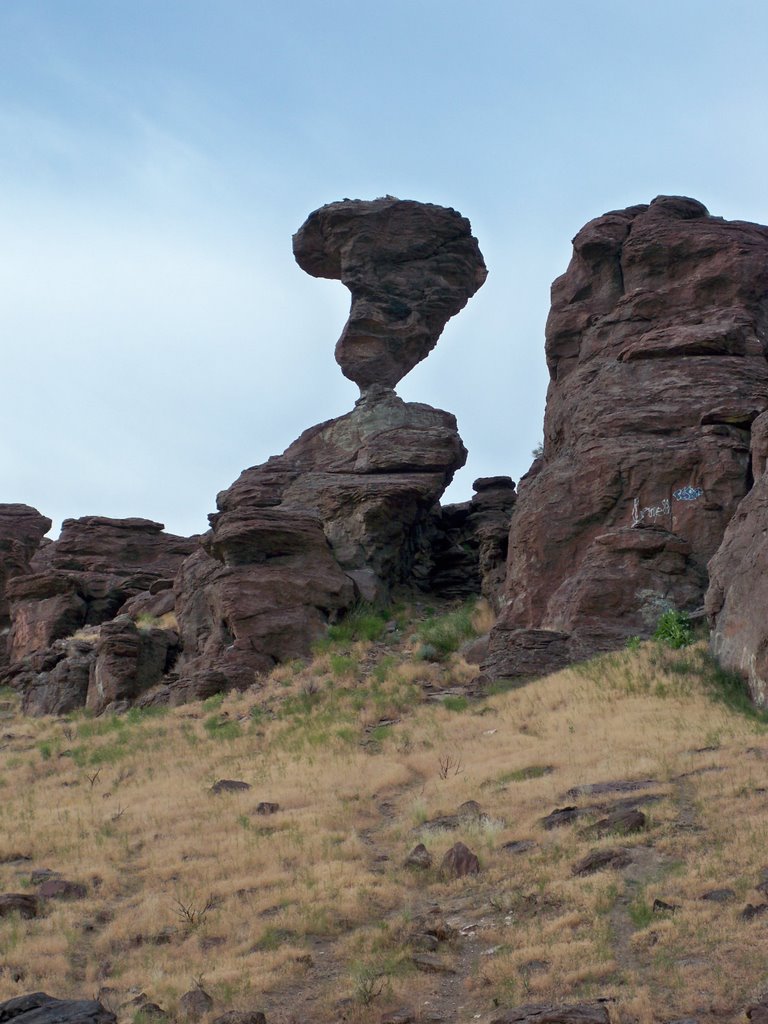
<point>443,635</point>
<point>674,629</point>
<point>364,622</point>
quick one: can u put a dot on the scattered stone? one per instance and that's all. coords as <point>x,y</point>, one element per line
<point>724,895</point>
<point>535,966</point>
<point>620,786</point>
<point>42,875</point>
<point>459,861</point>
<point>622,822</point>
<point>751,911</point>
<point>563,816</point>
<point>662,907</point>
<point>61,889</point>
<point>195,1004</point>
<point>431,964</point>
<point>401,1016</point>
<point>229,786</point>
<point>265,807</point>
<point>597,860</point>
<point>19,903</point>
<point>545,1013</point>
<point>419,857</point>
<point>241,1017</point>
<point>469,812</point>
<point>39,1008</point>
<point>516,846</point>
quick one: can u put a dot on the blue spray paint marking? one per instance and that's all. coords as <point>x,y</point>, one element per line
<point>688,493</point>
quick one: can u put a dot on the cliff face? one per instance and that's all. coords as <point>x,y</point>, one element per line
<point>656,347</point>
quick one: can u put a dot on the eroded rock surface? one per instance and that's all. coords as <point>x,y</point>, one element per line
<point>656,346</point>
<point>77,583</point>
<point>738,590</point>
<point>336,518</point>
<point>409,266</point>
<point>22,529</point>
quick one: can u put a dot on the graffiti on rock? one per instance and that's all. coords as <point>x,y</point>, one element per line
<point>652,512</point>
<point>688,493</point>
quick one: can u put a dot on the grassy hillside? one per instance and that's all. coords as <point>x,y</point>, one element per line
<point>309,912</point>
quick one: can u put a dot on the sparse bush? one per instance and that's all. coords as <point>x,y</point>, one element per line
<point>674,629</point>
<point>364,622</point>
<point>443,635</point>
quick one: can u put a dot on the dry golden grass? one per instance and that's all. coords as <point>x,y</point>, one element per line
<point>312,905</point>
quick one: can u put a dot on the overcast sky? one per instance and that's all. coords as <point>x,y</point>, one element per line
<point>157,155</point>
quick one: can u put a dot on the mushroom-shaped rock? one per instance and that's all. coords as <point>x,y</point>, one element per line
<point>409,266</point>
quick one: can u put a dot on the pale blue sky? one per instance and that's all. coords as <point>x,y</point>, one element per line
<point>157,155</point>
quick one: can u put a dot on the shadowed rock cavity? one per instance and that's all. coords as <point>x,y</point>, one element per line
<point>409,266</point>
<point>656,346</point>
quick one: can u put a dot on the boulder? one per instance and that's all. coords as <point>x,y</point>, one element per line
<point>409,266</point>
<point>128,661</point>
<point>39,1008</point>
<point>459,861</point>
<point>654,345</point>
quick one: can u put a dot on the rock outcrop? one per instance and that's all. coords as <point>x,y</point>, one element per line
<point>96,568</point>
<point>336,518</point>
<point>409,266</point>
<point>738,589</point>
<point>656,347</point>
<point>22,529</point>
<point>348,512</point>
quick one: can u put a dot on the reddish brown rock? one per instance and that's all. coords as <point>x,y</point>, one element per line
<point>655,351</point>
<point>266,597</point>
<point>546,1013</point>
<point>128,661</point>
<point>738,590</point>
<point>22,529</point>
<point>19,903</point>
<point>372,477</point>
<point>82,580</point>
<point>85,577</point>
<point>409,266</point>
<point>459,861</point>
<point>39,1008</point>
<point>294,538</point>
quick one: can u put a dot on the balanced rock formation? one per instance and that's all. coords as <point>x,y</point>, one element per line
<point>349,512</point>
<point>738,588</point>
<point>341,515</point>
<point>409,266</point>
<point>656,347</point>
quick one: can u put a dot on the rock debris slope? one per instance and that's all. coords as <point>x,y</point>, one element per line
<point>656,347</point>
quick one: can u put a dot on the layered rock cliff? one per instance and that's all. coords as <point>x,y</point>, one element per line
<point>656,347</point>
